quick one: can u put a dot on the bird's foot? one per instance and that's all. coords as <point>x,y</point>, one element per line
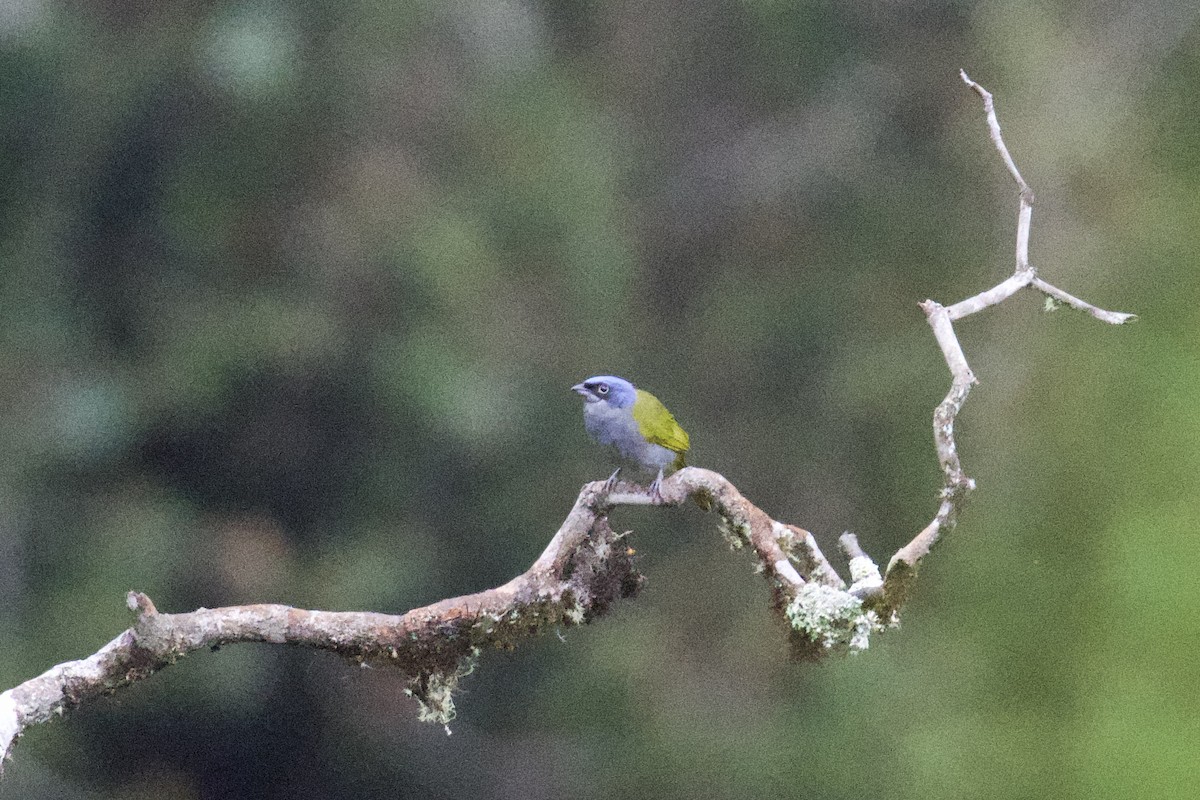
<point>611,483</point>
<point>656,488</point>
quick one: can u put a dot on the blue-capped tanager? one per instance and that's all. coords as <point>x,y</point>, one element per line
<point>635,423</point>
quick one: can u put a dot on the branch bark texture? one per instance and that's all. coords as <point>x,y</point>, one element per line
<point>584,570</point>
<point>581,573</point>
<point>956,484</point>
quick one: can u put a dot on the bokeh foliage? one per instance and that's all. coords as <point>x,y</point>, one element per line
<point>291,295</point>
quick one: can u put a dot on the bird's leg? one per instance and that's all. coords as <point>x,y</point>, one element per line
<point>611,483</point>
<point>656,487</point>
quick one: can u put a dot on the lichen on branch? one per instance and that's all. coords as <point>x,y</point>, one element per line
<point>584,570</point>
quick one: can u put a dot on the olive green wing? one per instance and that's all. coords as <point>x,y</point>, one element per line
<point>656,424</point>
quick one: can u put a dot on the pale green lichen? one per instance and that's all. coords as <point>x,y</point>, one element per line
<point>736,534</point>
<point>821,573</point>
<point>832,619</point>
<point>865,580</point>
<point>574,613</point>
<point>804,553</point>
<point>436,699</point>
<point>864,570</point>
<point>434,692</point>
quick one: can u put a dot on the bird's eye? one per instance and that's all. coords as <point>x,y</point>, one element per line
<point>602,389</point>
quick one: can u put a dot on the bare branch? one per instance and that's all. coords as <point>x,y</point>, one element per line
<point>943,331</point>
<point>584,570</point>
<point>1058,295</point>
<point>902,569</point>
<point>993,123</point>
<point>989,297</point>
<point>866,582</point>
<point>581,573</point>
<point>1025,213</point>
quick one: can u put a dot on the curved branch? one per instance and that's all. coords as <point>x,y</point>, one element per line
<point>584,570</point>
<point>581,573</point>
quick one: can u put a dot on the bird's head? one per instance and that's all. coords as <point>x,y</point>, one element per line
<point>610,389</point>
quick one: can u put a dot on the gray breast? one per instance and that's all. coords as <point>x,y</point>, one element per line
<point>615,428</point>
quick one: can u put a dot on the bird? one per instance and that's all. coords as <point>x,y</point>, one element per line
<point>636,424</point>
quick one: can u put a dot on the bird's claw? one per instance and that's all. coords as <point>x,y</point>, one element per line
<point>656,488</point>
<point>611,483</point>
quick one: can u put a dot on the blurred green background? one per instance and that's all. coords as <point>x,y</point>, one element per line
<point>293,293</point>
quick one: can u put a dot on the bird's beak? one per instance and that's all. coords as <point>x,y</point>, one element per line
<point>584,392</point>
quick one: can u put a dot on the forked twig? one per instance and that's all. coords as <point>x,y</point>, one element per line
<point>902,569</point>
<point>583,571</point>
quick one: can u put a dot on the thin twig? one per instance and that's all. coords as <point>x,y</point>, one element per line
<point>1053,292</point>
<point>1025,212</point>
<point>585,568</point>
<point>993,123</point>
<point>902,568</point>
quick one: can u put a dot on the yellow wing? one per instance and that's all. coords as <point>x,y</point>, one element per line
<point>657,425</point>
